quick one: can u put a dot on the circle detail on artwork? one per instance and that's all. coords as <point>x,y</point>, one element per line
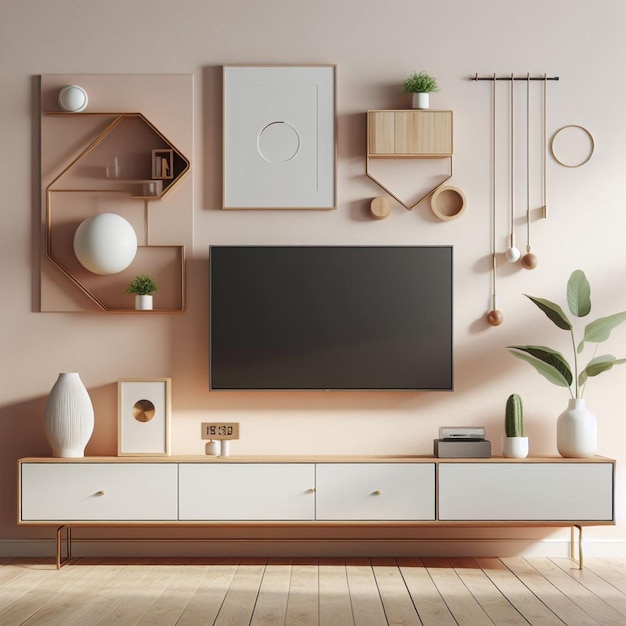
<point>278,142</point>
<point>143,410</point>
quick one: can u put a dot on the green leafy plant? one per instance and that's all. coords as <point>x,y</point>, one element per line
<point>420,83</point>
<point>552,364</point>
<point>514,416</point>
<point>142,285</point>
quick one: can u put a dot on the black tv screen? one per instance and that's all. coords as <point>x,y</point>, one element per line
<point>331,317</point>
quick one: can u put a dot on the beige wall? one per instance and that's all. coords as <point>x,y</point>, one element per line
<point>375,45</point>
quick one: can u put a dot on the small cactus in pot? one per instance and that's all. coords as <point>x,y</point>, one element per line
<point>514,444</point>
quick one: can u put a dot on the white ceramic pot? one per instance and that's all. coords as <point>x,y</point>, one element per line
<point>420,101</point>
<point>577,431</point>
<point>143,303</point>
<point>68,417</point>
<point>515,447</point>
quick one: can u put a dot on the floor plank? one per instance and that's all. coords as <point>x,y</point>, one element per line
<point>240,599</point>
<point>207,601</point>
<point>556,601</point>
<point>367,606</point>
<point>110,593</point>
<point>170,605</point>
<point>591,604</point>
<point>490,598</point>
<point>612,571</point>
<point>303,601</point>
<point>131,609</point>
<point>462,604</point>
<point>520,596</point>
<point>430,606</point>
<point>36,591</point>
<point>335,605</point>
<point>399,608</point>
<point>595,583</point>
<point>271,604</point>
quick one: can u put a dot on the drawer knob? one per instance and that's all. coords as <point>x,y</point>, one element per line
<point>101,492</point>
<point>378,492</point>
<point>312,490</point>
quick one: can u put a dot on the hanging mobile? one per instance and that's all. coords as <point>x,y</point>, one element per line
<point>529,260</point>
<point>494,317</point>
<point>512,254</point>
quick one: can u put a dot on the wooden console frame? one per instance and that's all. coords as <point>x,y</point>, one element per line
<point>65,526</point>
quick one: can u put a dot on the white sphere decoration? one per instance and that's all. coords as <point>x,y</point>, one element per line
<point>73,98</point>
<point>105,243</point>
<point>512,254</point>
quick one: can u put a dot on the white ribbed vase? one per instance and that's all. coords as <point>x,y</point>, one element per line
<point>68,417</point>
<point>577,431</point>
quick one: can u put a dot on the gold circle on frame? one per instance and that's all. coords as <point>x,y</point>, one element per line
<point>143,410</point>
<point>591,140</point>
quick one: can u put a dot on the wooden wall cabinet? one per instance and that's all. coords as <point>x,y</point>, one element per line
<point>409,134</point>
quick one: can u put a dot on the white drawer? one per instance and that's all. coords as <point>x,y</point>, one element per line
<point>247,491</point>
<point>526,491</point>
<point>375,491</point>
<point>99,491</point>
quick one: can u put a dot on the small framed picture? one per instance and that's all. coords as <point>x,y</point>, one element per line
<point>144,407</point>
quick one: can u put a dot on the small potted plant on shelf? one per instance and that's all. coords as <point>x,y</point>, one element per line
<point>143,287</point>
<point>514,444</point>
<point>420,85</point>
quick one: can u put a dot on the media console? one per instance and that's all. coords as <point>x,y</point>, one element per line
<point>316,491</point>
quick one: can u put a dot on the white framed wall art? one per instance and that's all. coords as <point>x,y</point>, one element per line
<point>279,137</point>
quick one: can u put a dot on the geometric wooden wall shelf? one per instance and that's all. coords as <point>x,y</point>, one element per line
<point>409,134</point>
<point>122,163</point>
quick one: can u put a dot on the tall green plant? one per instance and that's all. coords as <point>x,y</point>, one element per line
<point>552,364</point>
<point>514,416</point>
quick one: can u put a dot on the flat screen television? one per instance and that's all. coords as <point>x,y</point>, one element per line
<point>330,317</point>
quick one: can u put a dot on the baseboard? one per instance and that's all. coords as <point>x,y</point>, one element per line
<point>46,548</point>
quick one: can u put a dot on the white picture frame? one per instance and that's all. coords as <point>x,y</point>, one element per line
<point>280,132</point>
<point>144,413</point>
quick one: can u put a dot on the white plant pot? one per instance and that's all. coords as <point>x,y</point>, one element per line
<point>68,417</point>
<point>420,101</point>
<point>143,303</point>
<point>576,431</point>
<point>515,447</point>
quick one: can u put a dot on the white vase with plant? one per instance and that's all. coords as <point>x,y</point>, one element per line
<point>420,85</point>
<point>576,427</point>
<point>143,287</point>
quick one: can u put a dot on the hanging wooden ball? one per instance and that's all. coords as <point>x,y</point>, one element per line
<point>529,261</point>
<point>495,317</point>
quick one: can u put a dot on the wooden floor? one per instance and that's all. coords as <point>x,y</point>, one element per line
<point>372,592</point>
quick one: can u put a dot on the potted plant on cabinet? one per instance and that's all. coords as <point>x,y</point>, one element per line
<point>420,85</point>
<point>576,427</point>
<point>514,444</point>
<point>143,287</point>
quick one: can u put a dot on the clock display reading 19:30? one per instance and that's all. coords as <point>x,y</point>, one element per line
<point>220,430</point>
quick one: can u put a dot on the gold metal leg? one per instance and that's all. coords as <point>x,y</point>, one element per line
<point>68,545</point>
<point>580,544</point>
